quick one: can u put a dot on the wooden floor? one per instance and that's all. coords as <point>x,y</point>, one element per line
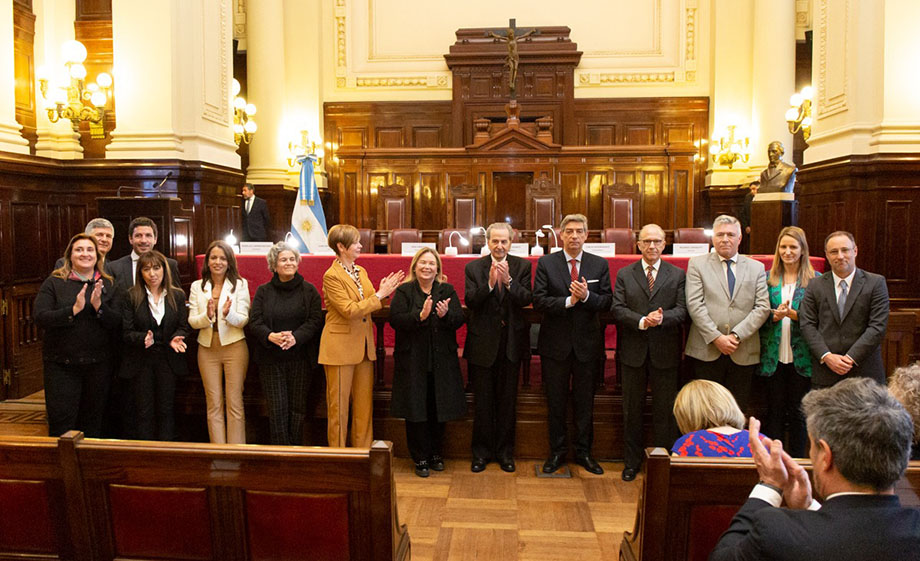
<point>457,515</point>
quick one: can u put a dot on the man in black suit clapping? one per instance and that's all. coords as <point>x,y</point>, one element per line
<point>650,308</point>
<point>497,288</point>
<point>571,288</point>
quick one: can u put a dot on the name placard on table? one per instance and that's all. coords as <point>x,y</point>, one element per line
<point>409,248</point>
<point>689,249</point>
<point>255,248</point>
<point>520,249</point>
<point>601,249</point>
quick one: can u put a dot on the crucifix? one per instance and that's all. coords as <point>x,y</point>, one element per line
<point>511,38</point>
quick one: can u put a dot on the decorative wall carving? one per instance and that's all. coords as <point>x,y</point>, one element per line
<point>214,99</point>
<point>832,37</point>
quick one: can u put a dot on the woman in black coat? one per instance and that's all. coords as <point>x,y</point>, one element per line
<point>155,321</point>
<point>80,312</point>
<point>286,319</point>
<point>427,386</point>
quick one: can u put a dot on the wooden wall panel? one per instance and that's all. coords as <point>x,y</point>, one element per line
<point>89,10</point>
<point>389,137</point>
<point>430,199</point>
<point>894,244</point>
<point>24,70</point>
<point>639,134</point>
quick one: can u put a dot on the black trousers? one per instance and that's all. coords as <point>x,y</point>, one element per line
<point>426,438</point>
<point>557,376</point>
<point>733,376</point>
<point>495,390</point>
<point>635,380</point>
<point>286,386</point>
<point>785,390</point>
<point>75,397</point>
<point>153,388</point>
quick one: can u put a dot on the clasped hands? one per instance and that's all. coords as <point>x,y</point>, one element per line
<point>498,274</point>
<point>284,339</point>
<point>440,308</point>
<point>579,289</point>
<point>839,364</point>
<point>654,319</point>
<point>777,468</point>
<point>785,311</point>
<point>177,343</point>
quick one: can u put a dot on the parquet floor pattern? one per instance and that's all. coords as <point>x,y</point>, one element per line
<point>457,515</point>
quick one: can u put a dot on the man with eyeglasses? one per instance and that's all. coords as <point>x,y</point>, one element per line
<point>650,309</point>
<point>728,302</point>
<point>844,316</point>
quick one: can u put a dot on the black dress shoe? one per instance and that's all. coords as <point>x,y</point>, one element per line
<point>629,474</point>
<point>421,468</point>
<point>553,463</point>
<point>507,465</point>
<point>436,463</point>
<point>479,464</point>
<point>589,464</point>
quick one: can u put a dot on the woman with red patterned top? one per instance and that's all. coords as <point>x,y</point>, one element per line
<point>712,422</point>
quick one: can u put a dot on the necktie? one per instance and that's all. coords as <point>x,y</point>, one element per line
<point>651,279</point>
<point>574,269</point>
<point>248,205</point>
<point>731,277</point>
<point>842,299</point>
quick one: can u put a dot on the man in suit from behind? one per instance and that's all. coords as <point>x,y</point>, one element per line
<point>103,232</point>
<point>256,222</point>
<point>571,288</point>
<point>497,338</point>
<point>860,445</point>
<point>728,301</point>
<point>650,309</point>
<point>142,235</point>
<point>844,317</point>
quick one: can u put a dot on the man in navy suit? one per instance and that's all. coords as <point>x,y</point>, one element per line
<point>256,221</point>
<point>844,316</point>
<point>650,309</point>
<point>142,235</point>
<point>571,288</point>
<point>860,445</point>
<point>497,338</point>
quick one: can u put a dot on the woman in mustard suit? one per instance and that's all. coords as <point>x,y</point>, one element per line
<point>346,349</point>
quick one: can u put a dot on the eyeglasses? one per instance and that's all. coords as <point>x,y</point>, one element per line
<point>652,242</point>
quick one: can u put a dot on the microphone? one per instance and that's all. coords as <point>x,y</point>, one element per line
<point>160,184</point>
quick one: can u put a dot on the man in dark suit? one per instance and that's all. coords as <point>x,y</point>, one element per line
<point>844,316</point>
<point>860,444</point>
<point>650,309</point>
<point>142,235</point>
<point>497,338</point>
<point>571,288</point>
<point>103,232</point>
<point>256,222</point>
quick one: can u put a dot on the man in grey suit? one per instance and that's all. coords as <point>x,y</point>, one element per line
<point>728,302</point>
<point>844,317</point>
<point>103,232</point>
<point>649,307</point>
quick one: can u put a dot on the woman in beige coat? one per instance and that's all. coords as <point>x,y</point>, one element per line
<point>221,300</point>
<point>346,349</point>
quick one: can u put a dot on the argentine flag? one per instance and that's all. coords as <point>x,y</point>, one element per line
<point>308,223</point>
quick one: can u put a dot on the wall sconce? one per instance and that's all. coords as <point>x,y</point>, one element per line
<point>728,150</point>
<point>68,96</point>
<point>243,124</point>
<point>305,148</point>
<point>798,117</point>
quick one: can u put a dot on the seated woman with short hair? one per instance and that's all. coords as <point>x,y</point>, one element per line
<point>711,421</point>
<point>904,385</point>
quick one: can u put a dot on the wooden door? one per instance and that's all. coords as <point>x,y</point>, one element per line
<point>22,345</point>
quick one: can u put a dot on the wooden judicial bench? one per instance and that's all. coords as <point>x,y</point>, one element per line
<point>87,499</point>
<point>686,503</point>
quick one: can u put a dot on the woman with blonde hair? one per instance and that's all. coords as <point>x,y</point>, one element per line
<point>785,359</point>
<point>346,349</point>
<point>904,385</point>
<point>80,312</point>
<point>219,309</point>
<point>428,391</point>
<point>711,421</point>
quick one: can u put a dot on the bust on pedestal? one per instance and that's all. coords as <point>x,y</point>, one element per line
<point>774,205</point>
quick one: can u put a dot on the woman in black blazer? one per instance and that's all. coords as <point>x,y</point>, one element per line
<point>80,312</point>
<point>427,386</point>
<point>155,326</point>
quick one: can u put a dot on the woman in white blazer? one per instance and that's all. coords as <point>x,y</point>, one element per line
<point>221,299</point>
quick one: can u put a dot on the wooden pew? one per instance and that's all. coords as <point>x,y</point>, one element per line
<point>170,501</point>
<point>686,504</point>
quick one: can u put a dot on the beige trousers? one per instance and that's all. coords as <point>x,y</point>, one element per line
<point>223,371</point>
<point>351,384</point>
